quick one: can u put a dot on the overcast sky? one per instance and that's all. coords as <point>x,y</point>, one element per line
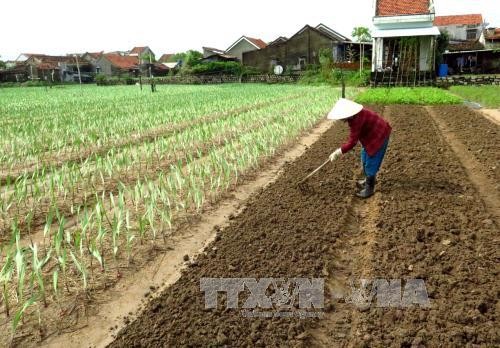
<point>62,26</point>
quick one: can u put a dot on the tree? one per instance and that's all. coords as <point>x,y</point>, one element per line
<point>442,42</point>
<point>192,58</point>
<point>188,59</point>
<point>361,35</point>
<point>2,64</point>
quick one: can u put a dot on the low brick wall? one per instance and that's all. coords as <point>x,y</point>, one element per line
<point>468,80</point>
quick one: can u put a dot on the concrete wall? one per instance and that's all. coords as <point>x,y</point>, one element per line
<point>458,32</point>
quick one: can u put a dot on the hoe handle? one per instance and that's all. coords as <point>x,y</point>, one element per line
<point>314,171</point>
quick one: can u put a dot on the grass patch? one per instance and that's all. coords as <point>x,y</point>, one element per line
<point>407,95</point>
<point>488,96</point>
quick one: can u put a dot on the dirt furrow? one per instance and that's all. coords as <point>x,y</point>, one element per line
<point>479,135</point>
<point>353,260</point>
<point>477,173</point>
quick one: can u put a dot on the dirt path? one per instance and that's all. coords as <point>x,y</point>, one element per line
<point>342,325</point>
<point>476,172</point>
<point>492,114</point>
<point>130,294</point>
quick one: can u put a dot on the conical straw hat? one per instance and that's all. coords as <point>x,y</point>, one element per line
<point>344,108</point>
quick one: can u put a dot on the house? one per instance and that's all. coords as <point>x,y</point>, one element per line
<point>112,64</point>
<point>404,41</point>
<point>244,44</point>
<point>492,38</point>
<point>215,55</point>
<point>165,58</point>
<point>467,51</point>
<point>460,28</point>
<point>279,40</point>
<point>55,68</point>
<point>300,50</point>
<point>145,54</point>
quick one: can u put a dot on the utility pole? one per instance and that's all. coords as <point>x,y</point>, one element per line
<point>78,68</point>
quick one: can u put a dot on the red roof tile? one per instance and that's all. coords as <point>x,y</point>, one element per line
<point>122,62</point>
<point>165,57</point>
<point>257,42</point>
<point>492,34</point>
<point>402,7</point>
<point>467,19</point>
<point>137,50</point>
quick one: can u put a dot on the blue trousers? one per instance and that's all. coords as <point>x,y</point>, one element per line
<point>371,164</point>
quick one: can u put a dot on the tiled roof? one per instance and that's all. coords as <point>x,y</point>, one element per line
<point>465,46</point>
<point>137,50</point>
<point>402,7</point>
<point>43,61</point>
<point>165,57</point>
<point>257,42</point>
<point>492,34</point>
<point>467,19</point>
<point>122,62</point>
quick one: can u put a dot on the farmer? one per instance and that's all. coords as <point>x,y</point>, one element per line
<point>372,131</point>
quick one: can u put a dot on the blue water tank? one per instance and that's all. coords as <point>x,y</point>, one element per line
<point>443,70</point>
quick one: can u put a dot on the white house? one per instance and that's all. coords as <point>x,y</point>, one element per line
<point>404,39</point>
<point>244,44</point>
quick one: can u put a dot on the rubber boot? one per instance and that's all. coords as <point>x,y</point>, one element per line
<point>361,183</point>
<point>369,189</point>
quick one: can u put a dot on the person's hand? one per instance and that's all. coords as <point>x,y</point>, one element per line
<point>336,154</point>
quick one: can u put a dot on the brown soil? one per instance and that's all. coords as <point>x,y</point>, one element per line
<point>480,136</point>
<point>427,221</point>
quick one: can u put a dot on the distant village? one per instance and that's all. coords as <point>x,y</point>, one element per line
<point>471,48</point>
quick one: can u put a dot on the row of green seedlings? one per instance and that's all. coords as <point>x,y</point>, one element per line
<point>72,153</point>
<point>150,211</point>
<point>32,195</point>
<point>116,120</point>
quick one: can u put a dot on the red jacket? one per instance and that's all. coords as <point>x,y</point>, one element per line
<point>368,128</point>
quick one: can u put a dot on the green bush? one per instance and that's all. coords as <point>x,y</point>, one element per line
<point>229,68</point>
<point>101,79</point>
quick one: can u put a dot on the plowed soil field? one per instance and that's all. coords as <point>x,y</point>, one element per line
<point>428,220</point>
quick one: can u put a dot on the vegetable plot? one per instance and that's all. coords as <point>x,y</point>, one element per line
<point>93,176</point>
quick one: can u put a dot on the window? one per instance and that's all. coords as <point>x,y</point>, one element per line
<point>302,63</point>
<point>471,34</point>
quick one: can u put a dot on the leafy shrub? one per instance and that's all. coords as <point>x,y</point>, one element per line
<point>101,79</point>
<point>229,68</point>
